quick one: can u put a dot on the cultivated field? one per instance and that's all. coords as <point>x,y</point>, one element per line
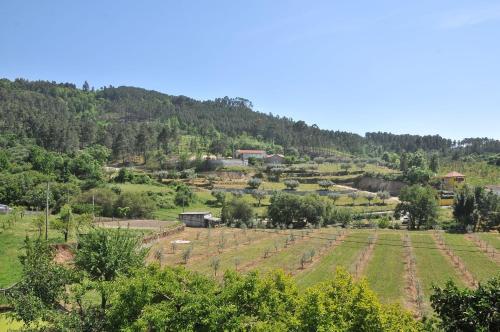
<point>400,266</point>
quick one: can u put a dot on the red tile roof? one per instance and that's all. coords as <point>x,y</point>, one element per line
<point>454,175</point>
<point>251,151</point>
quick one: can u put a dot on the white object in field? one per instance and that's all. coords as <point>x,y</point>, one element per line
<point>180,241</point>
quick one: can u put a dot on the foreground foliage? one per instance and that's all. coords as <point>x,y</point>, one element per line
<point>134,297</point>
<point>466,309</point>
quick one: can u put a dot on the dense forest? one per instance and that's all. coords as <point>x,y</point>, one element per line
<point>64,118</point>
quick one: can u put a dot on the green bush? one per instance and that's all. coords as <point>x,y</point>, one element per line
<point>254,183</point>
<point>104,200</point>
<point>291,184</point>
<point>140,205</point>
<point>184,196</point>
<point>384,222</point>
<point>237,212</point>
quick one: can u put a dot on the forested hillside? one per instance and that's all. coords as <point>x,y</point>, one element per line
<point>61,117</point>
<point>64,118</point>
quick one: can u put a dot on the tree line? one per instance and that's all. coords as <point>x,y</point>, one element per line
<point>132,121</point>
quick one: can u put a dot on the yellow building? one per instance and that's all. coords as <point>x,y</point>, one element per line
<point>452,180</point>
<point>446,198</point>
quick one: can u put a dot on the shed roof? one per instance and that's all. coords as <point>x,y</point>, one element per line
<point>250,151</point>
<point>454,175</point>
<point>190,213</point>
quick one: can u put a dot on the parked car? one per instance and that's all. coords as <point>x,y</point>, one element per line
<point>4,209</point>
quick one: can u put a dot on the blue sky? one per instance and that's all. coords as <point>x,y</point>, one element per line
<point>423,67</point>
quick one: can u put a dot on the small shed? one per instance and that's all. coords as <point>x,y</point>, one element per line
<point>198,219</point>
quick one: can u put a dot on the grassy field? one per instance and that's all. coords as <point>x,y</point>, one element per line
<point>140,188</point>
<point>11,242</point>
<point>385,272</point>
<point>480,265</point>
<point>265,250</point>
<point>343,255</point>
<point>432,265</point>
<point>288,259</point>
<point>493,239</point>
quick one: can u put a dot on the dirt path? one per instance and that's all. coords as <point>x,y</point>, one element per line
<point>454,260</point>
<point>413,289</point>
<point>393,199</point>
<point>135,223</point>
<point>364,257</point>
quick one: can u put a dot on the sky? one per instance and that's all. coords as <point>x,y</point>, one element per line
<point>419,67</point>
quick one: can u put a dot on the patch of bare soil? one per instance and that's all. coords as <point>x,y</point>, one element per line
<point>134,223</point>
<point>457,263</point>
<point>414,299</point>
<point>63,254</point>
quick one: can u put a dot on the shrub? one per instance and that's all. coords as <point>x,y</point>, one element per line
<point>291,184</point>
<point>237,212</point>
<point>383,195</point>
<point>254,183</point>
<point>188,174</point>
<point>124,175</point>
<point>162,200</point>
<point>184,196</point>
<point>383,222</point>
<point>338,215</point>
<point>140,205</point>
<point>103,199</point>
<point>468,309</point>
<point>117,190</point>
<point>219,195</point>
<point>325,184</point>
<point>259,195</point>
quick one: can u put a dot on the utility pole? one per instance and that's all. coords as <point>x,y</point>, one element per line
<point>93,207</point>
<point>47,213</point>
